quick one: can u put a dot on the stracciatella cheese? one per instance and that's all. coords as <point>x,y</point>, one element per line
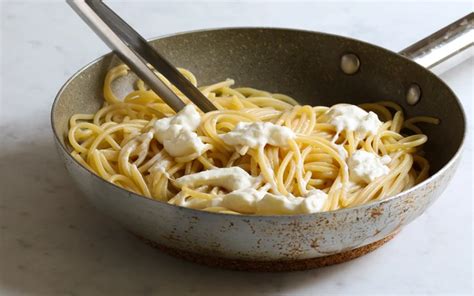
<point>178,138</point>
<point>366,166</point>
<point>233,178</point>
<point>243,200</point>
<point>177,135</point>
<point>252,201</point>
<point>355,119</point>
<point>257,134</point>
<point>272,204</point>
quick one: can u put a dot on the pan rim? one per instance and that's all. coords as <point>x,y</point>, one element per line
<point>436,175</point>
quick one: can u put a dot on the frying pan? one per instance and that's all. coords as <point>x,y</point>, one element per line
<point>316,69</point>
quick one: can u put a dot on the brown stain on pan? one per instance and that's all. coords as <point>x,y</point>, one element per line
<point>376,212</point>
<point>271,266</point>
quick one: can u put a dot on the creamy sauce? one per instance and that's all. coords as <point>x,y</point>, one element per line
<point>366,167</point>
<point>233,178</point>
<point>177,135</point>
<point>257,134</point>
<point>342,151</point>
<point>355,119</point>
<point>161,166</point>
<point>143,138</point>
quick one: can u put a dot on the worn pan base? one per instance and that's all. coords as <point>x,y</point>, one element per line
<point>271,266</point>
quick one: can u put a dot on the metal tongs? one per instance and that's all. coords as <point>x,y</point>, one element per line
<point>134,51</point>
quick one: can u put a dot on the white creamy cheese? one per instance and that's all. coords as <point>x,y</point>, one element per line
<point>177,135</point>
<point>255,134</point>
<point>352,118</point>
<point>252,201</point>
<point>314,201</point>
<point>366,166</point>
<point>243,200</point>
<point>233,178</point>
<point>272,204</point>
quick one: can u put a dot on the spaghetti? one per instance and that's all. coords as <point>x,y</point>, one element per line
<point>316,161</point>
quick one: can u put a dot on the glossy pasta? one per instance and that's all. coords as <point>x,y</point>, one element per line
<point>113,143</point>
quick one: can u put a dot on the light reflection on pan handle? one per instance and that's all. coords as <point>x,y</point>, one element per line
<point>445,48</point>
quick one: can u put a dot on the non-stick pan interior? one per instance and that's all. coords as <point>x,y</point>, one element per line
<point>304,65</point>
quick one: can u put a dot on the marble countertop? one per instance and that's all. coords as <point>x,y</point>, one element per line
<point>52,242</point>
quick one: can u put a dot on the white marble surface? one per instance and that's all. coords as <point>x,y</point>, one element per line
<point>53,243</point>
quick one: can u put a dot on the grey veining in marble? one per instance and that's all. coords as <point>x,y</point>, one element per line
<point>53,243</point>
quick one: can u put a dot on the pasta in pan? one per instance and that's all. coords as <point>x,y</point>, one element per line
<point>258,154</point>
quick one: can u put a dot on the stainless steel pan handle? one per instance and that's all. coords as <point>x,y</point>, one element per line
<point>452,44</point>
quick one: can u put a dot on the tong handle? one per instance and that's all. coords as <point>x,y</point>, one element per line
<point>134,51</point>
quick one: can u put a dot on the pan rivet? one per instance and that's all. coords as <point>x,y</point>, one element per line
<point>350,63</point>
<point>413,94</point>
